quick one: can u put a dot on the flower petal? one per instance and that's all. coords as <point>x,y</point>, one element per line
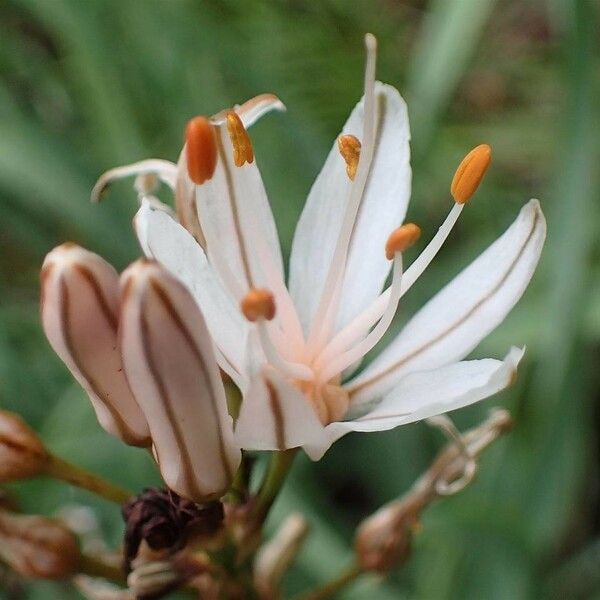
<point>170,364</point>
<point>79,309</point>
<point>252,110</point>
<point>165,170</point>
<point>454,321</point>
<point>383,208</point>
<point>424,394</point>
<point>275,415</point>
<point>236,218</point>
<point>240,233</point>
<point>166,241</point>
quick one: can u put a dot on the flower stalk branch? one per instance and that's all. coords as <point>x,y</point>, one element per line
<point>337,584</point>
<point>279,467</point>
<point>65,471</point>
<point>383,540</point>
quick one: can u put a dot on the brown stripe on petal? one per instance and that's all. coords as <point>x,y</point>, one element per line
<point>234,208</point>
<point>188,469</point>
<point>109,315</point>
<point>65,307</point>
<point>399,363</point>
<point>167,304</point>
<point>278,421</point>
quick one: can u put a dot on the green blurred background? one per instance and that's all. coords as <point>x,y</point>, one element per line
<point>89,84</point>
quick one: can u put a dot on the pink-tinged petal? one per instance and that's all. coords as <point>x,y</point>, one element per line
<point>424,394</point>
<point>275,416</point>
<point>382,209</point>
<point>164,240</point>
<point>170,364</point>
<point>79,310</point>
<point>164,170</point>
<point>454,321</point>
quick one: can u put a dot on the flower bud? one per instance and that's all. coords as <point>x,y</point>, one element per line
<point>38,547</point>
<point>79,307</point>
<point>169,359</point>
<point>275,557</point>
<point>22,454</point>
<point>384,539</point>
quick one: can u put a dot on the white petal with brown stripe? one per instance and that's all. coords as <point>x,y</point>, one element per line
<point>79,310</point>
<point>472,305</point>
<point>170,363</point>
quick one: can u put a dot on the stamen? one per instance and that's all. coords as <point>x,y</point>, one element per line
<point>365,320</point>
<point>349,146</point>
<point>258,304</point>
<point>402,238</point>
<point>335,276</point>
<point>240,140</point>
<point>201,147</point>
<point>342,362</point>
<point>470,172</point>
<point>290,369</point>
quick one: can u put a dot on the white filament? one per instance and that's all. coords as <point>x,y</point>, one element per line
<point>357,352</point>
<point>338,261</point>
<point>361,324</point>
<point>289,369</point>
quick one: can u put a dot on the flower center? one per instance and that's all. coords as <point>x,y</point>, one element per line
<point>330,400</point>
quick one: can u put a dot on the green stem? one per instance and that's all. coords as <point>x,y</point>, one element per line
<point>96,567</point>
<point>77,476</point>
<point>277,471</point>
<point>330,589</point>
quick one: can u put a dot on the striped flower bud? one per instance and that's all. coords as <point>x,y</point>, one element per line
<point>38,547</point>
<point>22,454</point>
<point>79,307</point>
<point>170,363</point>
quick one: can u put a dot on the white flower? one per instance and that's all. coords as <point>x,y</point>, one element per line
<point>294,355</point>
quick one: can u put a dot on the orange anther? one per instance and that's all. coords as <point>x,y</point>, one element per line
<point>240,140</point>
<point>470,172</point>
<point>402,238</point>
<point>258,304</point>
<point>201,144</point>
<point>349,147</point>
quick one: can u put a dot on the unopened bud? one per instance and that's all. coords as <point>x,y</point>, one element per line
<point>384,539</point>
<point>79,309</point>
<point>22,454</point>
<point>169,359</point>
<point>38,547</point>
<point>276,556</point>
<point>470,172</point>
